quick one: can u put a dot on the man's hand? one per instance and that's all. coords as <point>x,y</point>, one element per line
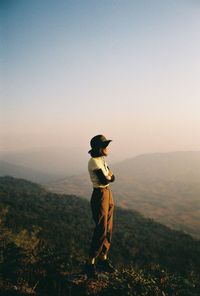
<point>111,176</point>
<point>110,173</point>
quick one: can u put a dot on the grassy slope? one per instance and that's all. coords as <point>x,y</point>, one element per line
<point>45,238</point>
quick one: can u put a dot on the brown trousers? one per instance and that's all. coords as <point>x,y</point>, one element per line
<point>102,206</point>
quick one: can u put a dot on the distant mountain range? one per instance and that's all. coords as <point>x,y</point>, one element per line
<point>58,161</point>
<point>162,186</point>
<point>8,169</point>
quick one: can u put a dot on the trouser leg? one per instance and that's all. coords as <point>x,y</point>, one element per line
<point>102,211</point>
<point>107,241</point>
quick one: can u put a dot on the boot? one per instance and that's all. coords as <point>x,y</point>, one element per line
<point>90,270</point>
<point>105,265</point>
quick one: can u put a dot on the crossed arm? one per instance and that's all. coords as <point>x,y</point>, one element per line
<point>103,179</point>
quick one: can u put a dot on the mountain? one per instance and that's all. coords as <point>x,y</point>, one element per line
<point>162,186</point>
<point>45,237</point>
<point>8,169</point>
<point>59,161</point>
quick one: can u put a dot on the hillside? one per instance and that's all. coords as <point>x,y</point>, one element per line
<point>44,240</point>
<point>162,186</point>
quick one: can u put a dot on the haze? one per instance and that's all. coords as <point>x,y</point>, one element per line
<point>74,69</point>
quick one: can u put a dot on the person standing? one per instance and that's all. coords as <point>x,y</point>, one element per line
<point>102,206</point>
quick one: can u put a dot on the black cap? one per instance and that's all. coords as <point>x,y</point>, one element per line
<point>99,141</point>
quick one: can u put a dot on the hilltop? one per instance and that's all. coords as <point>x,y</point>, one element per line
<point>45,239</point>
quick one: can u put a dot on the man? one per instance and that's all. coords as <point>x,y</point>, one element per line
<point>102,206</point>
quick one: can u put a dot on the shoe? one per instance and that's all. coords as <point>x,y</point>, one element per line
<point>105,265</point>
<point>90,270</point>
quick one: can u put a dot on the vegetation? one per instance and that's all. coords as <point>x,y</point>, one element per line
<point>44,241</point>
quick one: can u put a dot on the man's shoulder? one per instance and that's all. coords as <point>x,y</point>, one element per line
<point>94,161</point>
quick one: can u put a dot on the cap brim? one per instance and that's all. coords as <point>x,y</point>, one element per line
<point>106,143</point>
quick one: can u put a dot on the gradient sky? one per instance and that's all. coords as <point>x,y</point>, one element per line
<point>74,69</point>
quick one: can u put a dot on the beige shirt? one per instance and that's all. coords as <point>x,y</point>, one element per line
<point>96,163</point>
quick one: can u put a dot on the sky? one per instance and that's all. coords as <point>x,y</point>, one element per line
<point>123,68</point>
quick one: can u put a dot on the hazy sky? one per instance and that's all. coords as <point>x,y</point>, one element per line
<point>127,69</point>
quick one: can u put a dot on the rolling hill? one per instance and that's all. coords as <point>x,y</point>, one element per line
<point>162,186</point>
<point>18,171</point>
